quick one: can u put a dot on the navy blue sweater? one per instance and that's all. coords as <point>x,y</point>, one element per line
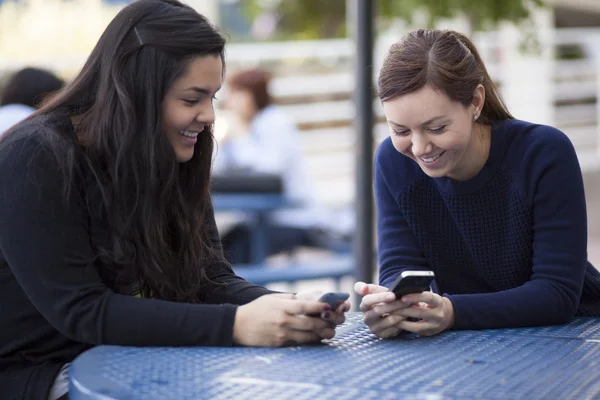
<point>509,246</point>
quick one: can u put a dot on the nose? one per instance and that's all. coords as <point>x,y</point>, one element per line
<point>420,145</point>
<point>207,115</point>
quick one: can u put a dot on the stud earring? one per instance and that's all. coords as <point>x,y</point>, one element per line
<point>475,117</point>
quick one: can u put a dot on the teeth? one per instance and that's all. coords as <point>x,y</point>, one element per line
<point>189,134</point>
<point>432,159</point>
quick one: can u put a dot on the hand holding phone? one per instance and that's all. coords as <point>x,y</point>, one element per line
<point>333,299</point>
<point>412,282</point>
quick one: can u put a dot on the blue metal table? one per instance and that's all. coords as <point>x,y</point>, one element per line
<point>533,363</point>
<point>259,206</point>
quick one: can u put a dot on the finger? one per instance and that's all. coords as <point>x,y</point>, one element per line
<point>326,333</point>
<point>371,318</point>
<point>306,324</point>
<point>371,300</point>
<point>386,323</point>
<point>417,312</point>
<point>390,332</point>
<point>305,307</point>
<point>336,318</point>
<point>387,308</point>
<point>362,288</point>
<point>423,328</point>
<point>430,298</point>
<point>344,307</point>
<point>309,295</point>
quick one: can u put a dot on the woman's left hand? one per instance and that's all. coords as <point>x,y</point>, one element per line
<point>433,312</point>
<point>336,317</point>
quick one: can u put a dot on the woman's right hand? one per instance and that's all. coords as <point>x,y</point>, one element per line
<point>276,320</point>
<point>380,306</point>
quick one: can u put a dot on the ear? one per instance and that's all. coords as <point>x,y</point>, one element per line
<point>478,99</point>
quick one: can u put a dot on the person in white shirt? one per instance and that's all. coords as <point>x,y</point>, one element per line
<point>24,91</point>
<point>266,140</point>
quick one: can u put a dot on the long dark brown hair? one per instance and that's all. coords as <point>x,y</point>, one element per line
<point>447,61</point>
<point>156,206</point>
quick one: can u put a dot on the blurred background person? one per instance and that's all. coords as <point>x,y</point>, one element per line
<point>25,90</point>
<point>264,139</point>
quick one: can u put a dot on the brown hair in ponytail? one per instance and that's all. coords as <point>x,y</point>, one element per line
<point>445,60</point>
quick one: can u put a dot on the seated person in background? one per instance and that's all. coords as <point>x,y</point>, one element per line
<point>494,206</point>
<point>24,92</point>
<point>265,140</point>
<point>107,232</point>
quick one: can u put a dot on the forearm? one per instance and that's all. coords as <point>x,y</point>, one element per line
<point>233,289</point>
<point>160,323</point>
<point>536,303</point>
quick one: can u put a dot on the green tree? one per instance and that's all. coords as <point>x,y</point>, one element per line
<point>313,19</point>
<point>481,14</point>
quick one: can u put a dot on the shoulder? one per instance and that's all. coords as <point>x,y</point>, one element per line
<point>35,144</point>
<point>23,142</point>
<point>529,139</point>
<point>536,151</point>
<point>395,169</point>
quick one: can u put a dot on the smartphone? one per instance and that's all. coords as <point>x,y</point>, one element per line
<point>333,299</point>
<point>412,282</point>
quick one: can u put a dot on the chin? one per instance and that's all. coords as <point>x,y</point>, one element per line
<point>438,173</point>
<point>181,158</point>
<point>434,174</point>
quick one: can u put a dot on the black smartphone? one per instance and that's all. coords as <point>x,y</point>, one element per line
<point>333,299</point>
<point>412,282</point>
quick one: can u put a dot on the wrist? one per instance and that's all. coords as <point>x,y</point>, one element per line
<point>449,312</point>
<point>236,336</point>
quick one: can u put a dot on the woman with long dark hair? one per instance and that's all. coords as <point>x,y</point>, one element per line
<point>107,233</point>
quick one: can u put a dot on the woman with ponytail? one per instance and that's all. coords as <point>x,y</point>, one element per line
<point>494,206</point>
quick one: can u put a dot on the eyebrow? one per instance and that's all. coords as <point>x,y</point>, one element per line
<point>200,90</point>
<point>429,121</point>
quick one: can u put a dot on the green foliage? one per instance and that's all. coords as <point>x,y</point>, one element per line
<point>481,14</point>
<point>313,19</point>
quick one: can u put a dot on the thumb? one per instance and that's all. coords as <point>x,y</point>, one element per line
<point>361,288</point>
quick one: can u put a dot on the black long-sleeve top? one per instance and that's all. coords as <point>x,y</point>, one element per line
<point>53,305</point>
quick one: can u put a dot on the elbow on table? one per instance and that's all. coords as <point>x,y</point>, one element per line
<point>82,323</point>
<point>564,310</point>
<point>560,318</point>
<point>79,332</point>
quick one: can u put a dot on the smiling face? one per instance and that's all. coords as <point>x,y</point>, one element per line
<point>187,108</point>
<point>436,132</point>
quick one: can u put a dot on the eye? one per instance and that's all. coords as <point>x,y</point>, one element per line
<point>214,98</point>
<point>441,129</point>
<point>191,102</point>
<point>401,133</point>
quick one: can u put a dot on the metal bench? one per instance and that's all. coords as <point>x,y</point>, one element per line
<point>334,267</point>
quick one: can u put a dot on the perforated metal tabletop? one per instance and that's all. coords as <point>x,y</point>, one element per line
<point>533,363</point>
